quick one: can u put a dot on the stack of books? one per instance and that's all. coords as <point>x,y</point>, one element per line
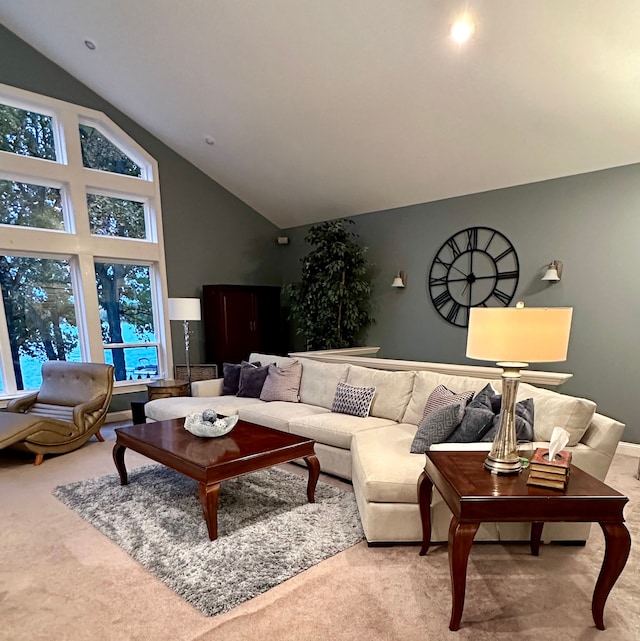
<point>546,473</point>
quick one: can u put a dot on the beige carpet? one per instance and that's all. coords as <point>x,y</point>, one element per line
<point>60,579</point>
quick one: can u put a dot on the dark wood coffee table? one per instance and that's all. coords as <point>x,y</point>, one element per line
<point>209,461</point>
<point>475,496</point>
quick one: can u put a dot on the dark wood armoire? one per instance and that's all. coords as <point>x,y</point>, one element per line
<point>240,319</point>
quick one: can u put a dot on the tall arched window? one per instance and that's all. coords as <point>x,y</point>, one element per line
<point>82,272</point>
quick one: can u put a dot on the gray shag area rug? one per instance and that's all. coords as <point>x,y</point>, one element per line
<point>267,531</point>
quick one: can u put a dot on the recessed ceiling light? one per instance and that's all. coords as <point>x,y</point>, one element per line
<point>209,140</point>
<point>90,44</point>
<point>462,30</point>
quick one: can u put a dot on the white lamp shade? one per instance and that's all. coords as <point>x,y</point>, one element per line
<point>551,274</point>
<point>527,334</point>
<point>184,309</point>
<point>397,282</point>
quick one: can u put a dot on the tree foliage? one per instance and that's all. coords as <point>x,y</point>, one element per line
<point>331,303</point>
<point>36,292</point>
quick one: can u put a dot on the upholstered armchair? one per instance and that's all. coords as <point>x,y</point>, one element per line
<point>70,407</point>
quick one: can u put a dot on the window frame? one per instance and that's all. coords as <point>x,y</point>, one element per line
<point>76,242</point>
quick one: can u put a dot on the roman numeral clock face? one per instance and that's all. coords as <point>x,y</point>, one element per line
<point>477,267</point>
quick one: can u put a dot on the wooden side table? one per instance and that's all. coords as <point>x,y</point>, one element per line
<point>166,388</point>
<point>474,496</point>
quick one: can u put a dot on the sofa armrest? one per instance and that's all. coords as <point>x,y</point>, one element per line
<point>603,434</point>
<point>210,387</point>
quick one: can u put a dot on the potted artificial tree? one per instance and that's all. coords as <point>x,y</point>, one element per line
<point>330,305</point>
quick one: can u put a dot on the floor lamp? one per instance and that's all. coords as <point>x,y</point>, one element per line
<point>185,310</point>
<point>513,337</point>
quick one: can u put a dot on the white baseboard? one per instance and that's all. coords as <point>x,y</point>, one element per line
<point>115,417</point>
<point>630,449</point>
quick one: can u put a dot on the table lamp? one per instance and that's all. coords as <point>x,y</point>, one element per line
<point>185,309</point>
<point>513,337</point>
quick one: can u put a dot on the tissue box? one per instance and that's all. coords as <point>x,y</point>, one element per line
<point>546,473</point>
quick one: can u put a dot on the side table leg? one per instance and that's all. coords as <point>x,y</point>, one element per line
<point>425,490</point>
<point>314,473</point>
<point>460,541</point>
<point>536,535</point>
<point>209,499</point>
<point>118,459</point>
<point>617,546</point>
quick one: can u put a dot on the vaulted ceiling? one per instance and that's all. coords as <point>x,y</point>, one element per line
<point>327,108</point>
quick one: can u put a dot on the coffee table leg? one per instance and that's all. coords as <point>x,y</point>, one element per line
<point>118,459</point>
<point>314,473</point>
<point>209,499</point>
<point>617,546</point>
<point>460,541</point>
<point>536,535</point>
<point>425,490</point>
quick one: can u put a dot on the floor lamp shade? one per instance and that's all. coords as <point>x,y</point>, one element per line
<point>513,337</point>
<point>184,309</point>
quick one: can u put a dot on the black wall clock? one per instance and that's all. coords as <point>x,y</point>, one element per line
<point>477,267</point>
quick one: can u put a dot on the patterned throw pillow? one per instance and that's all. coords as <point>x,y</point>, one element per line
<point>442,396</point>
<point>436,427</point>
<point>353,400</point>
<point>283,383</point>
<point>252,379</point>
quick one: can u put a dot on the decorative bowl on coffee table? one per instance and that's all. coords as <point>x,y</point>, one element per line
<point>219,426</point>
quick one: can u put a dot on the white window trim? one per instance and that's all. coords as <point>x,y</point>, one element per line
<point>77,242</point>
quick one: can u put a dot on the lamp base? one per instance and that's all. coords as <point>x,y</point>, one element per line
<point>503,458</point>
<point>498,466</point>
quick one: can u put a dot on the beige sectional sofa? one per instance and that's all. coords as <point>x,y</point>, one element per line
<point>374,452</point>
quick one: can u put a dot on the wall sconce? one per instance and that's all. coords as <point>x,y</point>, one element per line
<point>554,272</point>
<point>399,280</point>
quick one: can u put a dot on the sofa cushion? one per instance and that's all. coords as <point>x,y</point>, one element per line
<point>353,400</point>
<point>436,427</point>
<point>252,379</point>
<point>393,390</point>
<point>554,409</point>
<point>282,383</point>
<point>335,429</point>
<point>278,414</point>
<point>163,409</point>
<point>425,382</point>
<point>320,381</point>
<point>386,471</point>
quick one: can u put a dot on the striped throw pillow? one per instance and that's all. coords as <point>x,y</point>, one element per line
<point>442,396</point>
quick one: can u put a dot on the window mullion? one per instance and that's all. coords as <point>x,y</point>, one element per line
<point>88,309</point>
<point>8,375</point>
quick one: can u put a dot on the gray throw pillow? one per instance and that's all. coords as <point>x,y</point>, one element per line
<point>524,422</point>
<point>436,427</point>
<point>252,379</point>
<point>478,417</point>
<point>231,377</point>
<point>476,422</point>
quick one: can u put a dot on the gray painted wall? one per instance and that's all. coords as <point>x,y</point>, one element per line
<point>210,235</point>
<point>590,222</point>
